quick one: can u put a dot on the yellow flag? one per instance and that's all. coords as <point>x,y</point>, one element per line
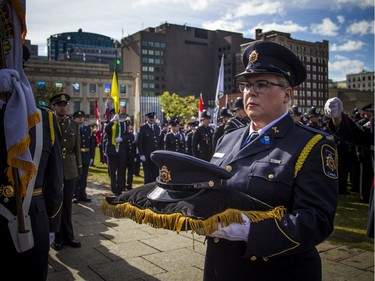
<point>115,93</point>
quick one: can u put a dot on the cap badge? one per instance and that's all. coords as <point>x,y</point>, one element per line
<point>253,57</point>
<point>63,97</point>
<point>165,174</point>
<point>288,73</point>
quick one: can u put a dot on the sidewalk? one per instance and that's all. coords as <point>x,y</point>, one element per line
<point>120,249</point>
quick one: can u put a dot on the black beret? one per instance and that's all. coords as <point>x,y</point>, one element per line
<point>270,57</point>
<point>182,176</point>
<point>78,113</point>
<point>150,115</point>
<point>60,98</point>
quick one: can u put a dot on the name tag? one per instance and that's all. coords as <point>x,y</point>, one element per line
<point>276,161</point>
<point>218,155</point>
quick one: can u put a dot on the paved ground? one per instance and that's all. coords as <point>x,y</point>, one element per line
<point>120,249</point>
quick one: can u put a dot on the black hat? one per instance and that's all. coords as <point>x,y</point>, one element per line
<point>225,112</point>
<point>173,123</point>
<point>205,115</point>
<point>194,124</point>
<point>112,111</point>
<point>369,107</point>
<point>238,104</point>
<point>295,111</point>
<point>271,57</point>
<point>313,111</point>
<point>60,98</point>
<point>175,183</point>
<point>79,113</point>
<point>150,115</point>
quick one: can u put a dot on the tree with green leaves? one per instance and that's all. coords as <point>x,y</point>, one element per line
<point>43,94</point>
<point>184,108</point>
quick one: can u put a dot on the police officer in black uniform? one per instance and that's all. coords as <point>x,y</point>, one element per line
<point>240,118</point>
<point>72,168</point>
<point>149,139</point>
<point>280,163</point>
<point>224,115</point>
<point>116,153</point>
<point>296,114</point>
<point>192,127</point>
<point>85,135</point>
<point>313,118</point>
<point>130,154</point>
<point>174,140</point>
<point>203,138</point>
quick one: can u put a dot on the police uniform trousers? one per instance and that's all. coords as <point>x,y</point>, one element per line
<point>66,232</point>
<point>80,191</point>
<point>116,166</point>
<point>150,170</point>
<point>225,262</point>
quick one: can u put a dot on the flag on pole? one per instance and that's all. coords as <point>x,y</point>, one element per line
<point>116,105</point>
<point>137,105</point>
<point>97,114</point>
<point>201,107</point>
<point>226,101</point>
<point>219,90</point>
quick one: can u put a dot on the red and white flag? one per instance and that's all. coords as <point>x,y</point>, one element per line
<point>201,107</point>
<point>97,115</point>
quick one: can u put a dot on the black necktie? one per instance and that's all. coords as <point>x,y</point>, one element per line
<point>250,138</point>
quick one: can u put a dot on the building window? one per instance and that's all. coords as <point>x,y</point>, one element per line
<point>122,88</point>
<point>76,88</point>
<point>92,88</point>
<point>107,89</point>
<point>76,106</point>
<point>92,108</point>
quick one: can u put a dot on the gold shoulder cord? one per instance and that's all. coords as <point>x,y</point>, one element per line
<point>305,152</point>
<point>51,127</point>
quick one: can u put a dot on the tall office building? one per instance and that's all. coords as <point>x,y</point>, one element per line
<point>82,47</point>
<point>180,59</point>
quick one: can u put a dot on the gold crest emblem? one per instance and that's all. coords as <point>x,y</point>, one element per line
<point>253,57</point>
<point>63,97</point>
<point>165,174</point>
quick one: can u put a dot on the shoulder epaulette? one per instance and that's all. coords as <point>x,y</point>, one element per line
<point>51,126</point>
<point>316,131</point>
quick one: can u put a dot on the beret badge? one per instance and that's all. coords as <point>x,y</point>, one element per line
<point>253,57</point>
<point>165,174</point>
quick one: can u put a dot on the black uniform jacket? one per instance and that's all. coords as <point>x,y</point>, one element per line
<point>149,140</point>
<point>267,169</point>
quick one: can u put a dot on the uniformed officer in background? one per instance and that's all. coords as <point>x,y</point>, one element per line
<point>149,139</point>
<point>203,138</point>
<point>42,217</point>
<point>296,114</point>
<point>224,116</point>
<point>72,168</point>
<point>192,127</point>
<point>280,163</point>
<point>115,152</point>
<point>240,118</point>
<point>130,154</point>
<point>174,140</point>
<point>85,135</point>
<point>313,118</point>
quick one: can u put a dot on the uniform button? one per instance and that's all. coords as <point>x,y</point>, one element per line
<point>216,239</point>
<point>271,176</point>
<point>228,168</point>
<point>253,258</point>
<point>265,258</point>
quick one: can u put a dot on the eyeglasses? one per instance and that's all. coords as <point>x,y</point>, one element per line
<point>259,87</point>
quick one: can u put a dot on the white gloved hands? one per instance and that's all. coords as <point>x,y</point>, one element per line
<point>118,139</point>
<point>143,158</point>
<point>234,231</point>
<point>115,118</point>
<point>333,107</point>
<point>51,237</point>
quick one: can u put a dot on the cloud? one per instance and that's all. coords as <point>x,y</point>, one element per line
<point>341,66</point>
<point>259,7</point>
<point>196,5</point>
<point>362,27</point>
<point>224,24</point>
<point>348,46</point>
<point>363,4</point>
<point>287,26</point>
<point>326,28</point>
<point>340,19</point>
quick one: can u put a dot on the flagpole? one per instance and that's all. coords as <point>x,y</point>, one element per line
<point>219,90</point>
<point>137,105</point>
<point>116,102</point>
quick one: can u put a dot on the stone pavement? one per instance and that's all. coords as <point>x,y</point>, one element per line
<point>120,249</point>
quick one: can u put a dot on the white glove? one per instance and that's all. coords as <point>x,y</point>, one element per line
<point>333,107</point>
<point>234,231</point>
<point>118,139</point>
<point>115,118</point>
<point>143,158</point>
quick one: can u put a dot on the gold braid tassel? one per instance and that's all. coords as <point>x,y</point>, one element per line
<point>177,222</point>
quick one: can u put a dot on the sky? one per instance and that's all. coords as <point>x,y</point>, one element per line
<point>348,25</point>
